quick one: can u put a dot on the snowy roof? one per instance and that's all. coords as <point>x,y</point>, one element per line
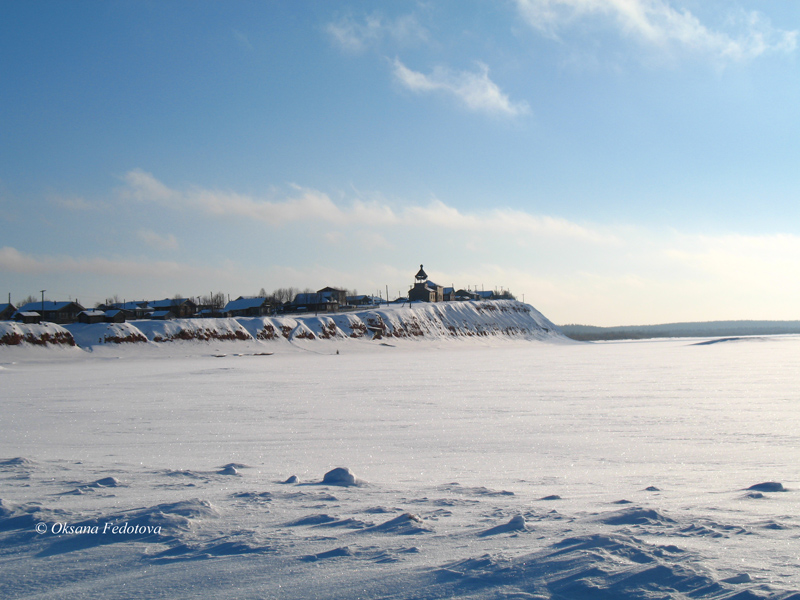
<point>113,312</point>
<point>5,306</point>
<point>245,303</point>
<point>131,305</point>
<point>27,313</point>
<point>160,313</point>
<point>488,294</point>
<point>49,305</point>
<point>93,313</point>
<point>168,302</point>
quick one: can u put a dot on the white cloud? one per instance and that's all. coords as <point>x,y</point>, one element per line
<point>74,203</point>
<point>355,36</point>
<point>143,186</point>
<point>748,260</point>
<point>241,39</point>
<point>14,261</point>
<point>475,90</point>
<point>157,241</point>
<point>309,205</point>
<point>502,221</point>
<point>660,24</point>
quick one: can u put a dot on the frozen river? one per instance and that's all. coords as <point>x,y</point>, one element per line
<point>518,469</point>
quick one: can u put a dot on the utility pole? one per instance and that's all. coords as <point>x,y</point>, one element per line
<point>43,291</point>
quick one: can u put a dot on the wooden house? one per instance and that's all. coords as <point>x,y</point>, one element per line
<point>132,309</point>
<point>7,311</point>
<point>55,312</point>
<point>117,316</point>
<point>91,316</point>
<point>180,308</point>
<point>162,315</point>
<point>27,317</point>
<point>340,296</point>
<point>314,302</point>
<point>363,300</point>
<point>248,307</point>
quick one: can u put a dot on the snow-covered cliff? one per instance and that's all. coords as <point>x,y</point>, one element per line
<point>418,321</point>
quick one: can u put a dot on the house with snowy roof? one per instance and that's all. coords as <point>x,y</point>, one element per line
<point>363,300</point>
<point>465,295</point>
<point>29,316</point>
<point>313,302</point>
<point>91,316</point>
<point>340,296</point>
<point>116,315</point>
<point>7,311</point>
<point>132,309</point>
<point>248,307</point>
<point>55,312</point>
<point>181,308</point>
<point>162,315</point>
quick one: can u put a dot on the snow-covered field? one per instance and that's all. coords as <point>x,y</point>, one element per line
<point>486,468</point>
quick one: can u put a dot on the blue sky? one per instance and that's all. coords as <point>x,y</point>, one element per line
<point>615,161</point>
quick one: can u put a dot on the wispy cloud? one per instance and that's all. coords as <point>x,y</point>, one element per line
<point>475,90</point>
<point>658,23</point>
<point>304,205</point>
<point>353,35</point>
<point>73,203</point>
<point>157,241</point>
<point>14,261</point>
<point>307,205</point>
<point>241,39</point>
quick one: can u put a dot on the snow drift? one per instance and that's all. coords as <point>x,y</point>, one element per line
<point>44,334</point>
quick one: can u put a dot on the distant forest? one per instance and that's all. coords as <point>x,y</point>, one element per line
<point>589,333</point>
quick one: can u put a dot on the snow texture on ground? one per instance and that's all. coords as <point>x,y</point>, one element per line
<point>489,468</point>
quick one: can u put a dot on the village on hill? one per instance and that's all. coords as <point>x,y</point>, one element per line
<point>283,301</point>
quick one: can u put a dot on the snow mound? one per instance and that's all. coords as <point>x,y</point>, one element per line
<point>43,334</point>
<point>516,524</point>
<point>17,461</point>
<point>341,476</point>
<point>405,524</point>
<point>87,335</point>
<point>105,482</point>
<point>768,486</point>
<point>591,566</point>
<point>203,330</point>
<point>634,516</point>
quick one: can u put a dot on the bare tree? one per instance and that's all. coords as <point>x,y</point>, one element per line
<point>214,301</point>
<point>282,295</point>
<point>28,300</point>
